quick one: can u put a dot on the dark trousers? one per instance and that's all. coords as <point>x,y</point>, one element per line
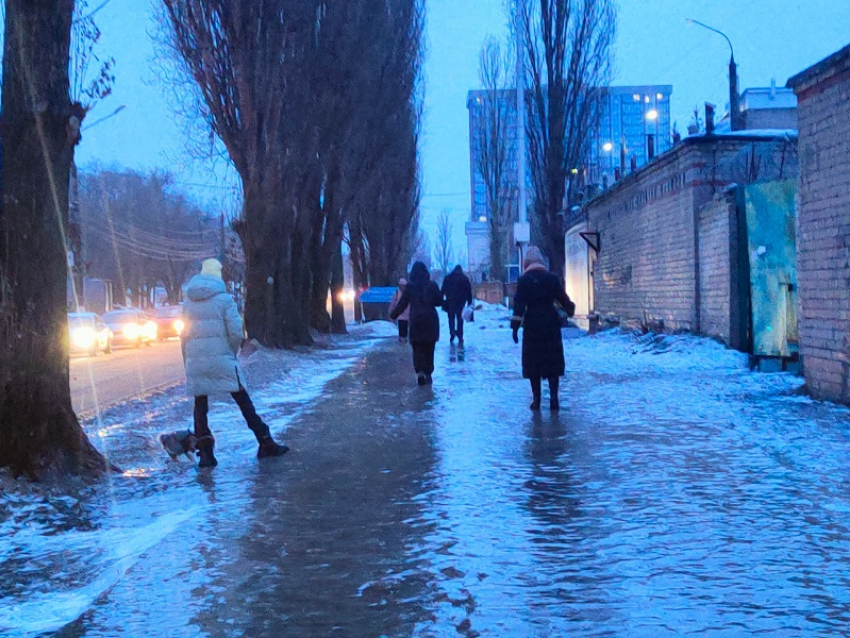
<point>402,328</point>
<point>202,407</point>
<point>423,356</point>
<point>537,386</point>
<point>456,323</point>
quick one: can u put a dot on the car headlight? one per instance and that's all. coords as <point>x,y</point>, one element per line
<point>179,326</point>
<point>150,330</point>
<point>83,337</point>
<point>131,331</point>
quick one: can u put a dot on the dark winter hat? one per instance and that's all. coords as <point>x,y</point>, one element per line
<point>419,273</point>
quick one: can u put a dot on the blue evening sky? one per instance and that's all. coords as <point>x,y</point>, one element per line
<point>655,45</point>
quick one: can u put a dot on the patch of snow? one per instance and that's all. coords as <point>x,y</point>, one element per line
<point>119,549</point>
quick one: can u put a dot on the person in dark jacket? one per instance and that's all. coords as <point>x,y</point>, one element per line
<point>424,297</point>
<point>458,293</point>
<point>538,290</point>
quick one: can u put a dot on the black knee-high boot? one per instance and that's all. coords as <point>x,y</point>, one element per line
<point>554,402</point>
<point>535,393</point>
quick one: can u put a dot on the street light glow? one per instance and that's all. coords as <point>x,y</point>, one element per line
<point>608,147</point>
<point>652,115</point>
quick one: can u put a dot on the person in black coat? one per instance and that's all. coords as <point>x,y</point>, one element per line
<point>458,293</point>
<point>538,290</point>
<point>424,297</point>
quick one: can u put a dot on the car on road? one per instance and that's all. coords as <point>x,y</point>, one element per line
<point>130,327</point>
<point>169,321</point>
<point>87,333</point>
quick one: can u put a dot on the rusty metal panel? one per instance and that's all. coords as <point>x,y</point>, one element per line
<point>772,247</point>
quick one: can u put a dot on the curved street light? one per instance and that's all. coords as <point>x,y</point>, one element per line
<point>734,110</point>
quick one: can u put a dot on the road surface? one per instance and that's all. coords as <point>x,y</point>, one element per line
<point>125,374</point>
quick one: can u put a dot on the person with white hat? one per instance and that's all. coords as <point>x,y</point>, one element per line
<point>211,339</point>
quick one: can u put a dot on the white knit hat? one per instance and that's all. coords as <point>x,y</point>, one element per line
<point>211,267</point>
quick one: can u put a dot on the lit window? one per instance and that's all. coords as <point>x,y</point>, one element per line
<point>659,97</point>
<point>636,97</point>
<point>646,99</point>
<point>482,218</point>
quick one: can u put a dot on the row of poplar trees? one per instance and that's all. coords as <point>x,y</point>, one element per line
<point>316,105</point>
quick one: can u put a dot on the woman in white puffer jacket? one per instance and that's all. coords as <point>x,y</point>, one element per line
<point>211,339</point>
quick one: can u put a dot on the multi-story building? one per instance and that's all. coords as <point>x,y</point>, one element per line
<point>635,125</point>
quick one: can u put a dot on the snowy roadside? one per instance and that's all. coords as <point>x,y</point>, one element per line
<point>653,370</point>
<point>650,416</point>
<point>63,547</point>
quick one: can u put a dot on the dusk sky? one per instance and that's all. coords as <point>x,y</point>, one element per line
<point>773,39</point>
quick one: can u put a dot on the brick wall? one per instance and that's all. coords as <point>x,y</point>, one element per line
<point>823,226</point>
<point>717,232</point>
<point>644,273</point>
<point>649,269</point>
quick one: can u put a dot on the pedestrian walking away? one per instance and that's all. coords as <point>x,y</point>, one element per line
<point>458,293</point>
<point>422,296</point>
<point>210,341</point>
<point>403,320</point>
<point>538,292</point>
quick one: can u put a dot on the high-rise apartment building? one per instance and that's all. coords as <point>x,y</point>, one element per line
<point>635,125</point>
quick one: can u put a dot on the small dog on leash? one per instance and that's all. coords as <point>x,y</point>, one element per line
<point>177,443</point>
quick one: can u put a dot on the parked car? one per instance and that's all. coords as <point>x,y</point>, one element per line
<point>169,321</point>
<point>88,333</point>
<point>130,327</point>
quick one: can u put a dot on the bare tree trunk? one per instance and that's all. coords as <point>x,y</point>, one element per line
<point>40,436</point>
<point>492,153</point>
<point>568,61</point>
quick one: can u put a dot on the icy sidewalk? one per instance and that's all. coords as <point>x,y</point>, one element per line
<point>677,493</point>
<point>61,549</point>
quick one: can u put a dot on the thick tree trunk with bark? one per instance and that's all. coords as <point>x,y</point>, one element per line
<point>275,304</point>
<point>39,433</point>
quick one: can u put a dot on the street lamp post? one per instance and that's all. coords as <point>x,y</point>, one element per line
<point>734,110</point>
<point>522,234</point>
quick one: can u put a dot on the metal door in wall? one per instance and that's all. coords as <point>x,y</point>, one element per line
<point>772,251</point>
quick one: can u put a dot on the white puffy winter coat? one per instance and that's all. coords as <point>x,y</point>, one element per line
<point>211,338</point>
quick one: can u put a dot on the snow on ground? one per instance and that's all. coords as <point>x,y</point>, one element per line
<point>88,537</point>
<point>634,399</point>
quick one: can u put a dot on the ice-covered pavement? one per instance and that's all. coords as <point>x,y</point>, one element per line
<point>677,493</point>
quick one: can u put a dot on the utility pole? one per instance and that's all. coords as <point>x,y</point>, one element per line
<point>522,231</point>
<point>734,97</point>
<point>75,241</point>
<point>520,109</point>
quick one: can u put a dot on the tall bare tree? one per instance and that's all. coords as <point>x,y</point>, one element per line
<point>444,248</point>
<point>568,62</point>
<point>313,101</point>
<point>492,156</point>
<point>40,436</point>
<point>366,72</point>
<point>250,61</point>
<point>383,219</point>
